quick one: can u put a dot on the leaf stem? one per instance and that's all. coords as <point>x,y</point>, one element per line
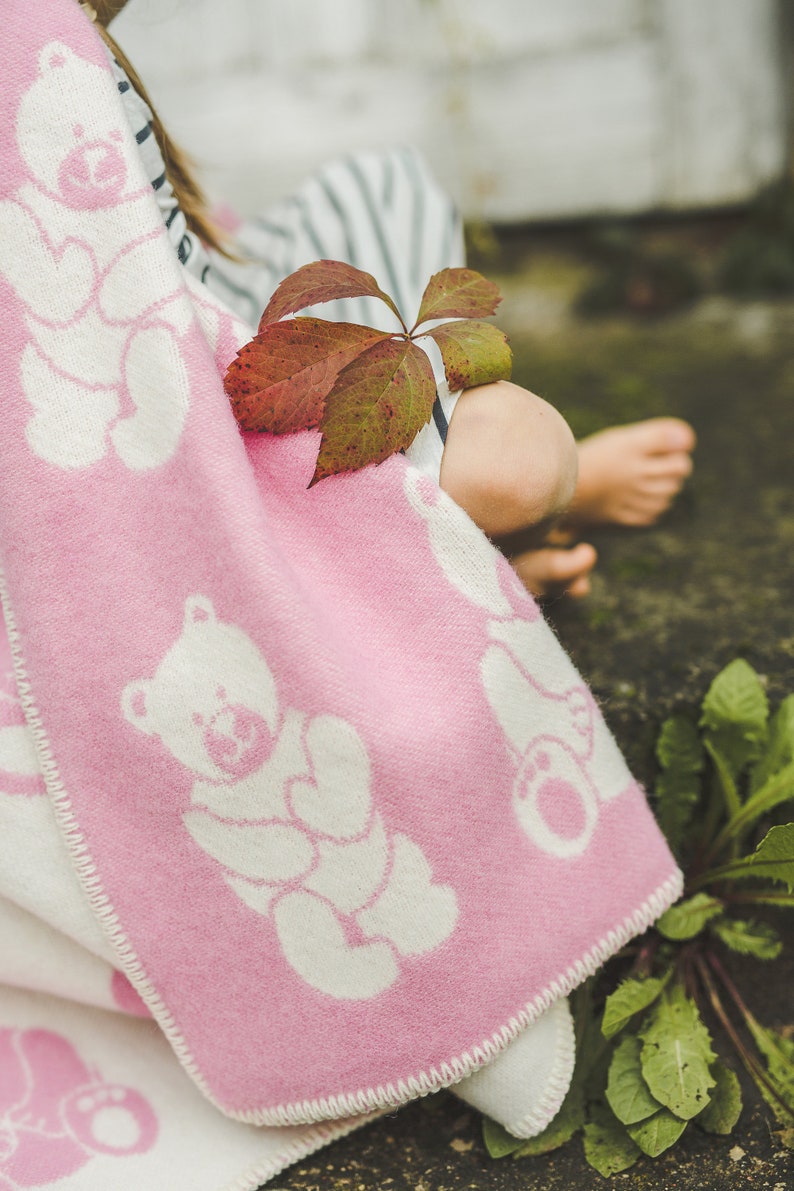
<point>749,1060</point>
<point>763,800</point>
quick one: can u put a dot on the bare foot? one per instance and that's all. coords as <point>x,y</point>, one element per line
<point>629,475</point>
<point>551,570</point>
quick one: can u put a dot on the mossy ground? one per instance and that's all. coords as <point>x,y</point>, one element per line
<point>670,606</point>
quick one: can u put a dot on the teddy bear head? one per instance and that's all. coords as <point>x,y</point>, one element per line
<point>70,131</point>
<point>212,701</point>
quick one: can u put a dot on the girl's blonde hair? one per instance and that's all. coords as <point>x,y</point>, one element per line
<point>178,167</point>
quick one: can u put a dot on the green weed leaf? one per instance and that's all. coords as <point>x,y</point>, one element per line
<point>474,353</point>
<point>568,1121</point>
<point>749,938</point>
<point>458,293</point>
<point>377,407</point>
<point>773,860</point>
<point>680,754</point>
<point>322,281</point>
<point>678,745</point>
<point>777,1051</point>
<point>498,1142</point>
<point>607,1146</point>
<point>779,1054</point>
<point>724,1108</point>
<point>687,919</point>
<point>627,1092</point>
<point>630,997</point>
<point>677,1054</point>
<point>780,748</point>
<point>658,1133</point>
<point>735,712</point>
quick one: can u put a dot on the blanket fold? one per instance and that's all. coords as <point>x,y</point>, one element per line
<point>347,816</point>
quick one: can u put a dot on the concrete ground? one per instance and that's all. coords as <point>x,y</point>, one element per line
<point>670,606</point>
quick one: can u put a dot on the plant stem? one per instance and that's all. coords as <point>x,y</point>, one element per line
<point>770,794</point>
<point>752,1065</point>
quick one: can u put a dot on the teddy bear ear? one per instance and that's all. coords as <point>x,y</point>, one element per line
<point>198,610</point>
<point>133,704</point>
<point>54,55</point>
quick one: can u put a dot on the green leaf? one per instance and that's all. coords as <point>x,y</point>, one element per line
<point>725,778</point>
<point>498,1142</point>
<point>627,1092</point>
<point>724,1108</point>
<point>735,712</point>
<point>772,860</point>
<point>686,919</point>
<point>378,405</point>
<point>630,997</point>
<point>780,748</point>
<point>774,856</point>
<point>779,1054</point>
<point>777,790</point>
<point>677,1055</point>
<point>279,381</point>
<point>474,353</point>
<point>677,791</point>
<point>322,281</point>
<point>458,293</point>
<point>568,1121</point>
<point>658,1133</point>
<point>678,746</point>
<point>607,1146</point>
<point>749,938</point>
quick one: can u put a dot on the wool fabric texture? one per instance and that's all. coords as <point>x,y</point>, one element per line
<point>325,797</point>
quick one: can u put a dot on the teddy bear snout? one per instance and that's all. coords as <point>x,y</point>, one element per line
<point>238,740</point>
<point>92,175</point>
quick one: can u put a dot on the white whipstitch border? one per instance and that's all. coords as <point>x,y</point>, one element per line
<point>559,1082</point>
<point>253,1177</point>
<point>342,1104</point>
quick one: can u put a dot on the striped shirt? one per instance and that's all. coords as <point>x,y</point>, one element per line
<point>381,212</point>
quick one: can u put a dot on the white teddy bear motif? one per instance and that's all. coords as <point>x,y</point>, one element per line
<point>282,802</point>
<point>80,243</point>
<point>566,760</point>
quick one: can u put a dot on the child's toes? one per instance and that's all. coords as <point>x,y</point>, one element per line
<point>552,571</point>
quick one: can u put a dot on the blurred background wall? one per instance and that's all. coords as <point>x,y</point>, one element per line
<point>527,109</point>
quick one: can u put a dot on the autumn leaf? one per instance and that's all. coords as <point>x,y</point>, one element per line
<point>458,293</point>
<point>322,281</point>
<point>279,381</point>
<point>377,407</point>
<point>474,353</point>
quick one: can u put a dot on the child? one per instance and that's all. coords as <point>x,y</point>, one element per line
<point>505,456</point>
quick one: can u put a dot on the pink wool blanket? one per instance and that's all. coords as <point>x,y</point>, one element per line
<point>346,814</point>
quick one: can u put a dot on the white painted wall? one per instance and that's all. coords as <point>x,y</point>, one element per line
<point>527,108</point>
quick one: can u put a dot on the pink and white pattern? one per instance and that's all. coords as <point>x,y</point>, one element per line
<point>342,805</point>
<point>55,1112</point>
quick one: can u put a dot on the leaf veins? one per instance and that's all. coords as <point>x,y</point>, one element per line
<point>458,293</point>
<point>474,353</point>
<point>281,379</point>
<point>377,407</point>
<point>322,281</point>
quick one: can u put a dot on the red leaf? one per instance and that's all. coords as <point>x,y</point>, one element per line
<point>322,281</point>
<point>458,293</point>
<point>474,353</point>
<point>378,405</point>
<point>280,380</point>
